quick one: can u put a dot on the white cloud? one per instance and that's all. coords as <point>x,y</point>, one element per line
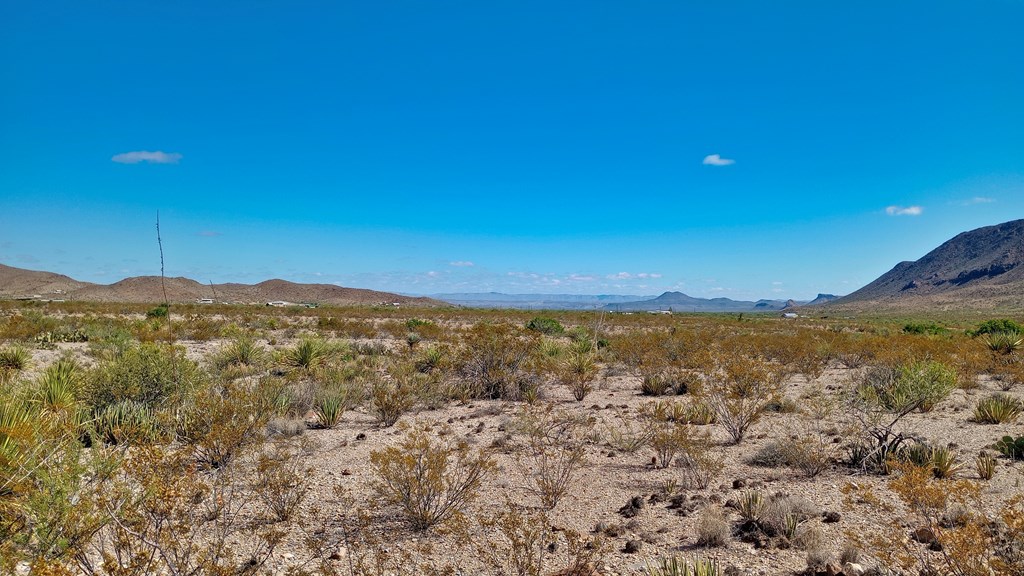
<point>157,157</point>
<point>903,210</point>
<point>716,160</point>
<point>462,264</point>
<point>979,200</point>
<point>581,278</point>
<point>628,276</point>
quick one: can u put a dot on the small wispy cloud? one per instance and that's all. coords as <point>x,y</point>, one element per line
<point>156,157</point>
<point>717,160</point>
<point>581,278</point>
<point>629,276</point>
<point>978,200</point>
<point>903,210</point>
<point>209,233</point>
<point>462,264</point>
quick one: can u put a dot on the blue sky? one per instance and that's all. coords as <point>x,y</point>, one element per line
<point>742,149</point>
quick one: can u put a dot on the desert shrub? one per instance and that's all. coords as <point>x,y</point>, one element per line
<point>498,360</point>
<point>160,311</point>
<point>996,326</point>
<point>556,449</point>
<point>969,546</point>
<point>655,384</point>
<point>391,399</point>
<point>924,328</point>
<point>712,528</point>
<point>740,390</point>
<point>548,326</point>
<point>26,325</point>
<point>278,478</point>
<point>432,481</point>
<point>997,409</point>
<point>697,463</point>
<point>626,434</point>
<point>919,385</point>
<point>521,538</point>
<point>151,374</point>
<point>218,423</point>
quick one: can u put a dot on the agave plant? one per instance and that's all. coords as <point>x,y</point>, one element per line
<point>308,354</point>
<point>329,409</point>
<point>14,358</point>
<point>57,391</point>
<point>126,422</point>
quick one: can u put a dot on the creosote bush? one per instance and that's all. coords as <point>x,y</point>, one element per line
<point>740,390</point>
<point>430,479</point>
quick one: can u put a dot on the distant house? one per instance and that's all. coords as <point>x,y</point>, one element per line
<point>789,315</point>
<point>279,303</point>
<point>204,301</point>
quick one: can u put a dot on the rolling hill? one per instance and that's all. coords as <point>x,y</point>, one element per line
<point>21,283</point>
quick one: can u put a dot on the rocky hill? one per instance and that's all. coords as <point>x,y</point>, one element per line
<point>31,284</point>
<point>679,302</point>
<point>976,270</point>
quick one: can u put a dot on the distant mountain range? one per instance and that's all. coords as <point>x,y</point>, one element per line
<point>32,284</point>
<point>679,302</point>
<point>535,301</point>
<point>669,301</point>
<point>977,270</point>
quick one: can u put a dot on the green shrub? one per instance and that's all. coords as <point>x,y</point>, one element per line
<point>158,312</point>
<point>242,352</point>
<point>329,408</point>
<point>126,422</point>
<point>997,409</point>
<point>548,326</point>
<point>919,385</point>
<point>151,374</point>
<point>928,328</point>
<point>994,326</point>
<point>308,354</point>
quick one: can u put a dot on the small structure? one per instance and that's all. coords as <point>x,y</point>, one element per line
<point>279,303</point>
<point>204,301</point>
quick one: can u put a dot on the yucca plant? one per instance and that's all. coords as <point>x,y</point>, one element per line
<point>329,408</point>
<point>308,354</point>
<point>751,506</point>
<point>676,566</point>
<point>997,409</point>
<point>1004,342</point>
<point>243,351</point>
<point>57,391</point>
<point>985,465</point>
<point>945,462</point>
<point>125,422</point>
<point>14,358</point>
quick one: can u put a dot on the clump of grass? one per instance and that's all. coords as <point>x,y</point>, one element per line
<point>241,352</point>
<point>997,409</point>
<point>308,354</point>
<point>985,465</point>
<point>713,528</point>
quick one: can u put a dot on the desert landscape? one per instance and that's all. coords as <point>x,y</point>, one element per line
<point>384,439</point>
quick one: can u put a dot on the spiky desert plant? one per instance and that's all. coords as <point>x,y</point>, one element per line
<point>1004,342</point>
<point>676,566</point>
<point>57,391</point>
<point>329,408</point>
<point>308,354</point>
<point>14,358</point>
<point>997,409</point>
<point>242,352</point>
<point>126,422</point>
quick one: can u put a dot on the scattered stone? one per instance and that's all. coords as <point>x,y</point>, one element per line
<point>923,535</point>
<point>833,569</point>
<point>346,472</point>
<point>739,483</point>
<point>361,436</point>
<point>600,527</point>
<point>633,546</point>
<point>633,507</point>
<point>853,569</point>
<point>831,517</point>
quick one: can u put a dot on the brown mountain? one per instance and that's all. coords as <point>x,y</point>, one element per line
<point>20,283</point>
<point>981,269</point>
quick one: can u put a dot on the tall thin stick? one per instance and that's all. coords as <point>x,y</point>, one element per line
<point>160,243</point>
